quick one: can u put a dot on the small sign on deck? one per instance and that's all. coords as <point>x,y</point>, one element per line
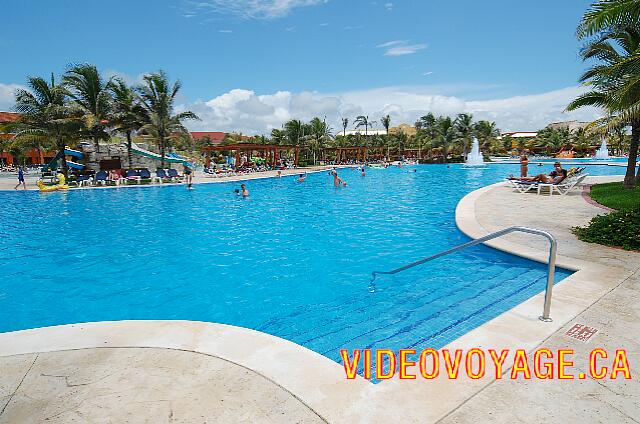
<point>581,332</point>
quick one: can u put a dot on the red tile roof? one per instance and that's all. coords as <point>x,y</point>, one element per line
<point>9,116</point>
<point>215,136</point>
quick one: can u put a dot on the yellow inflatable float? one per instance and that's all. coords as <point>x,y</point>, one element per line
<point>60,186</point>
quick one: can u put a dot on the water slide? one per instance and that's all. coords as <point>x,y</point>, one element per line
<point>53,165</point>
<point>169,158</point>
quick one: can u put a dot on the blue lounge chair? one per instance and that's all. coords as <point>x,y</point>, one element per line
<point>145,175</point>
<point>161,176</point>
<point>101,178</point>
<point>173,174</point>
<point>133,175</point>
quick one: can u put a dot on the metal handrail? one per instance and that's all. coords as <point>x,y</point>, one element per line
<point>553,247</point>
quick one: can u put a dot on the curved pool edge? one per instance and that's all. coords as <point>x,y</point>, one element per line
<point>313,379</point>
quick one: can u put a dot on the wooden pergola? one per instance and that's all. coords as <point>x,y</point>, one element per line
<point>271,152</point>
<point>341,153</point>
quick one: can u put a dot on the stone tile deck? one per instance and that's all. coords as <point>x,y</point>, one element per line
<point>134,385</point>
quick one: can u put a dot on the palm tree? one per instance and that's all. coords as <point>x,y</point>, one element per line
<point>552,140</point>
<point>157,97</point>
<point>464,129</point>
<point>345,122</point>
<point>90,93</point>
<point>485,131</point>
<point>277,136</point>
<point>363,121</point>
<point>444,134</point>
<point>294,131</point>
<point>608,14</point>
<point>45,116</point>
<point>386,122</point>
<point>319,133</point>
<point>127,114</point>
<point>615,86</point>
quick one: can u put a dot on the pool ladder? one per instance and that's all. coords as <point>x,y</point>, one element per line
<point>553,247</point>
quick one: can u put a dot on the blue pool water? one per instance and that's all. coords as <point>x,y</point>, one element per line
<point>293,260</point>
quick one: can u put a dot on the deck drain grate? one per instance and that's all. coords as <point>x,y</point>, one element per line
<point>581,332</point>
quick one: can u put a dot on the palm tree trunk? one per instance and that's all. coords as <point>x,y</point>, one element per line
<point>162,150</point>
<point>96,141</point>
<point>630,177</point>
<point>61,146</point>
<point>129,147</point>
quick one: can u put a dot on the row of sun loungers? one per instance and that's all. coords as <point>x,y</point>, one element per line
<point>219,172</point>
<point>137,176</point>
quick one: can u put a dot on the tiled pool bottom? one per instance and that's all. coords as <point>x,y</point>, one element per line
<point>422,308</point>
<point>293,260</point>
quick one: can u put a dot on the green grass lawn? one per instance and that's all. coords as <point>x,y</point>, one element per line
<point>613,195</point>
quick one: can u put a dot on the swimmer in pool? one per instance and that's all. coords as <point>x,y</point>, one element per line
<point>336,180</point>
<point>302,177</point>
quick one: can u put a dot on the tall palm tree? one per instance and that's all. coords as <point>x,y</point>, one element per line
<point>464,131</point>
<point>157,97</point>
<point>363,121</point>
<point>45,116</point>
<point>345,122</point>
<point>90,94</point>
<point>615,86</point>
<point>127,114</point>
<point>386,122</point>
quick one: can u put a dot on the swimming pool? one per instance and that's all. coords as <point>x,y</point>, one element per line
<point>293,260</point>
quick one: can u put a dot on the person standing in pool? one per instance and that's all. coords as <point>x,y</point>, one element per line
<point>20,179</point>
<point>302,177</point>
<point>524,164</point>
<point>245,192</point>
<point>336,179</point>
<point>188,175</point>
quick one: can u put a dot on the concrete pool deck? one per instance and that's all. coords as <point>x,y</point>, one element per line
<point>164,371</point>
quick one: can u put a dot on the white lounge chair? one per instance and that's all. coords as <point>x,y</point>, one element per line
<point>565,186</point>
<point>523,186</point>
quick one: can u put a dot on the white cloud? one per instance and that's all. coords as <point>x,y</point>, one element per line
<point>249,9</point>
<point>427,73</point>
<point>400,48</point>
<point>388,6</point>
<point>225,31</point>
<point>250,113</point>
<point>7,95</point>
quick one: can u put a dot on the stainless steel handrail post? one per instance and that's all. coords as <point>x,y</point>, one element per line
<point>553,248</point>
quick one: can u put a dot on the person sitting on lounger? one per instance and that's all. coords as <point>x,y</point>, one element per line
<point>555,177</point>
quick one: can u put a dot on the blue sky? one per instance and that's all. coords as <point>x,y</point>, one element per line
<point>249,64</point>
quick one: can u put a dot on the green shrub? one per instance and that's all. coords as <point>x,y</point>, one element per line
<point>620,229</point>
